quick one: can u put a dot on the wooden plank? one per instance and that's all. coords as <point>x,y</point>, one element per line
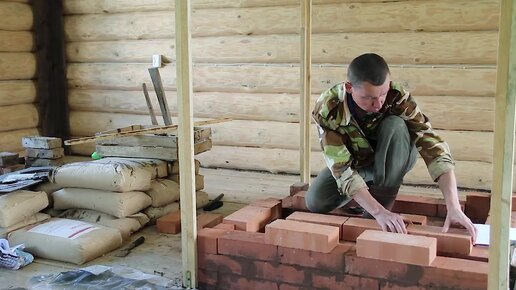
<point>17,117</point>
<point>169,141</point>
<point>118,6</point>
<point>51,64</point>
<point>503,168</point>
<point>15,16</point>
<point>16,41</point>
<point>445,112</point>
<point>356,17</point>
<point>465,145</point>
<point>157,83</point>
<point>17,92</point>
<point>475,47</point>
<point>255,78</point>
<point>470,174</point>
<point>11,140</point>
<point>17,66</point>
<point>183,24</point>
<point>306,90</point>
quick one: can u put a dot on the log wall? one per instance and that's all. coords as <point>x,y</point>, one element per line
<point>18,111</point>
<point>246,66</point>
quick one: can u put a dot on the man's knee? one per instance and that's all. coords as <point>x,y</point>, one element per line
<point>315,203</point>
<point>394,125</point>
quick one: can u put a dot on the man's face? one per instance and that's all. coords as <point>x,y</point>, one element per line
<point>368,97</point>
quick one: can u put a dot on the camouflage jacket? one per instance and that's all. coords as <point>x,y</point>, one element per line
<point>346,148</point>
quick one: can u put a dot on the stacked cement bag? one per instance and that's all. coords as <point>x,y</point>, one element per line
<point>21,208</point>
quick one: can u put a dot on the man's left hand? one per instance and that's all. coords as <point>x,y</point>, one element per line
<point>456,216</point>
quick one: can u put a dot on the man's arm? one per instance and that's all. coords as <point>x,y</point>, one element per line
<point>448,185</point>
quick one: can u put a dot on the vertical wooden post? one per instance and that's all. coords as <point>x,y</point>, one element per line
<point>306,89</point>
<point>501,194</point>
<point>186,148</point>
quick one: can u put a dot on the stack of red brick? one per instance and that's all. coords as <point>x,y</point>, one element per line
<point>255,248</point>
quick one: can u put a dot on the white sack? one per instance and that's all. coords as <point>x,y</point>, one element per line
<point>19,205</point>
<point>67,240</point>
<point>114,176</point>
<point>155,213</point>
<point>157,168</point>
<point>127,226</point>
<point>163,192</point>
<point>118,204</point>
<point>39,217</point>
<point>201,198</point>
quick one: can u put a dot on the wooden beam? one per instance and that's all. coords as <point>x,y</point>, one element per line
<point>51,73</point>
<point>503,149</point>
<point>306,89</point>
<point>186,147</point>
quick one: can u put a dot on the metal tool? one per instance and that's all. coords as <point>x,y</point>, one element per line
<point>160,93</point>
<point>149,105</point>
<point>214,204</point>
<point>124,252</point>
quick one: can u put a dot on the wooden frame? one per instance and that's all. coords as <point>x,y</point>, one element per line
<point>501,194</point>
<point>183,13</point>
<point>306,89</point>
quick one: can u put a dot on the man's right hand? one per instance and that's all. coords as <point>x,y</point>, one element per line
<point>390,221</point>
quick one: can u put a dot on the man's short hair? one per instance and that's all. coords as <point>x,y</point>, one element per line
<point>368,67</point>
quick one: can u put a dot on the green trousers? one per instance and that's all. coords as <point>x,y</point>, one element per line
<point>395,155</point>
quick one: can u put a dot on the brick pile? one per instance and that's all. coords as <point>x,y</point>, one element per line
<point>273,244</point>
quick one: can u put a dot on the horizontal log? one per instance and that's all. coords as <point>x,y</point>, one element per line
<point>17,66</point>
<point>254,78</point>
<point>445,112</point>
<point>15,16</point>
<point>18,117</point>
<point>465,145</point>
<point>17,92</point>
<point>470,174</point>
<point>118,6</point>
<point>396,48</point>
<point>16,41</point>
<point>11,140</point>
<point>345,17</point>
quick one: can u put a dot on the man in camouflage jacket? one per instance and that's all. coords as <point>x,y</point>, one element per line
<point>370,131</point>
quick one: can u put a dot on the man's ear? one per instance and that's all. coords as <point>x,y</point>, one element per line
<point>348,86</point>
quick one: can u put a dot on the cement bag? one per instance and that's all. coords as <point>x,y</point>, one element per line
<point>115,176</point>
<point>39,217</point>
<point>202,198</point>
<point>163,192</point>
<point>154,213</point>
<point>118,204</point>
<point>67,240</point>
<point>19,205</point>
<point>157,168</point>
<point>49,188</point>
<point>127,226</point>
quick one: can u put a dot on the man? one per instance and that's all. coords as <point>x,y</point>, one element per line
<point>370,130</point>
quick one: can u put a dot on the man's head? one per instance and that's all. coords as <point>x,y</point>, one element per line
<point>368,81</point>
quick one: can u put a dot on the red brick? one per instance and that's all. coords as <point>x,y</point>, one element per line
<point>288,202</point>
<point>415,250</point>
<point>285,286</point>
<point>334,261</point>
<point>452,273</point>
<point>272,203</point>
<point>413,204</point>
<point>249,218</point>
<point>414,218</point>
<point>207,240</point>
<point>477,206</point>
<point>300,235</point>
<point>353,227</point>
<point>442,211</point>
<point>385,270</point>
<point>170,223</point>
<point>299,201</point>
<point>452,242</point>
<point>392,286</point>
<point>230,282</point>
<point>327,280</point>
<point>297,187</point>
<point>276,272</point>
<point>207,279</point>
<point>322,219</point>
<point>228,227</point>
<point>208,220</point>
<point>220,263</point>
<point>478,253</point>
<point>247,245</point>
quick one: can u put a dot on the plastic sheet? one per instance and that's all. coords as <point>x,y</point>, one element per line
<point>101,277</point>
